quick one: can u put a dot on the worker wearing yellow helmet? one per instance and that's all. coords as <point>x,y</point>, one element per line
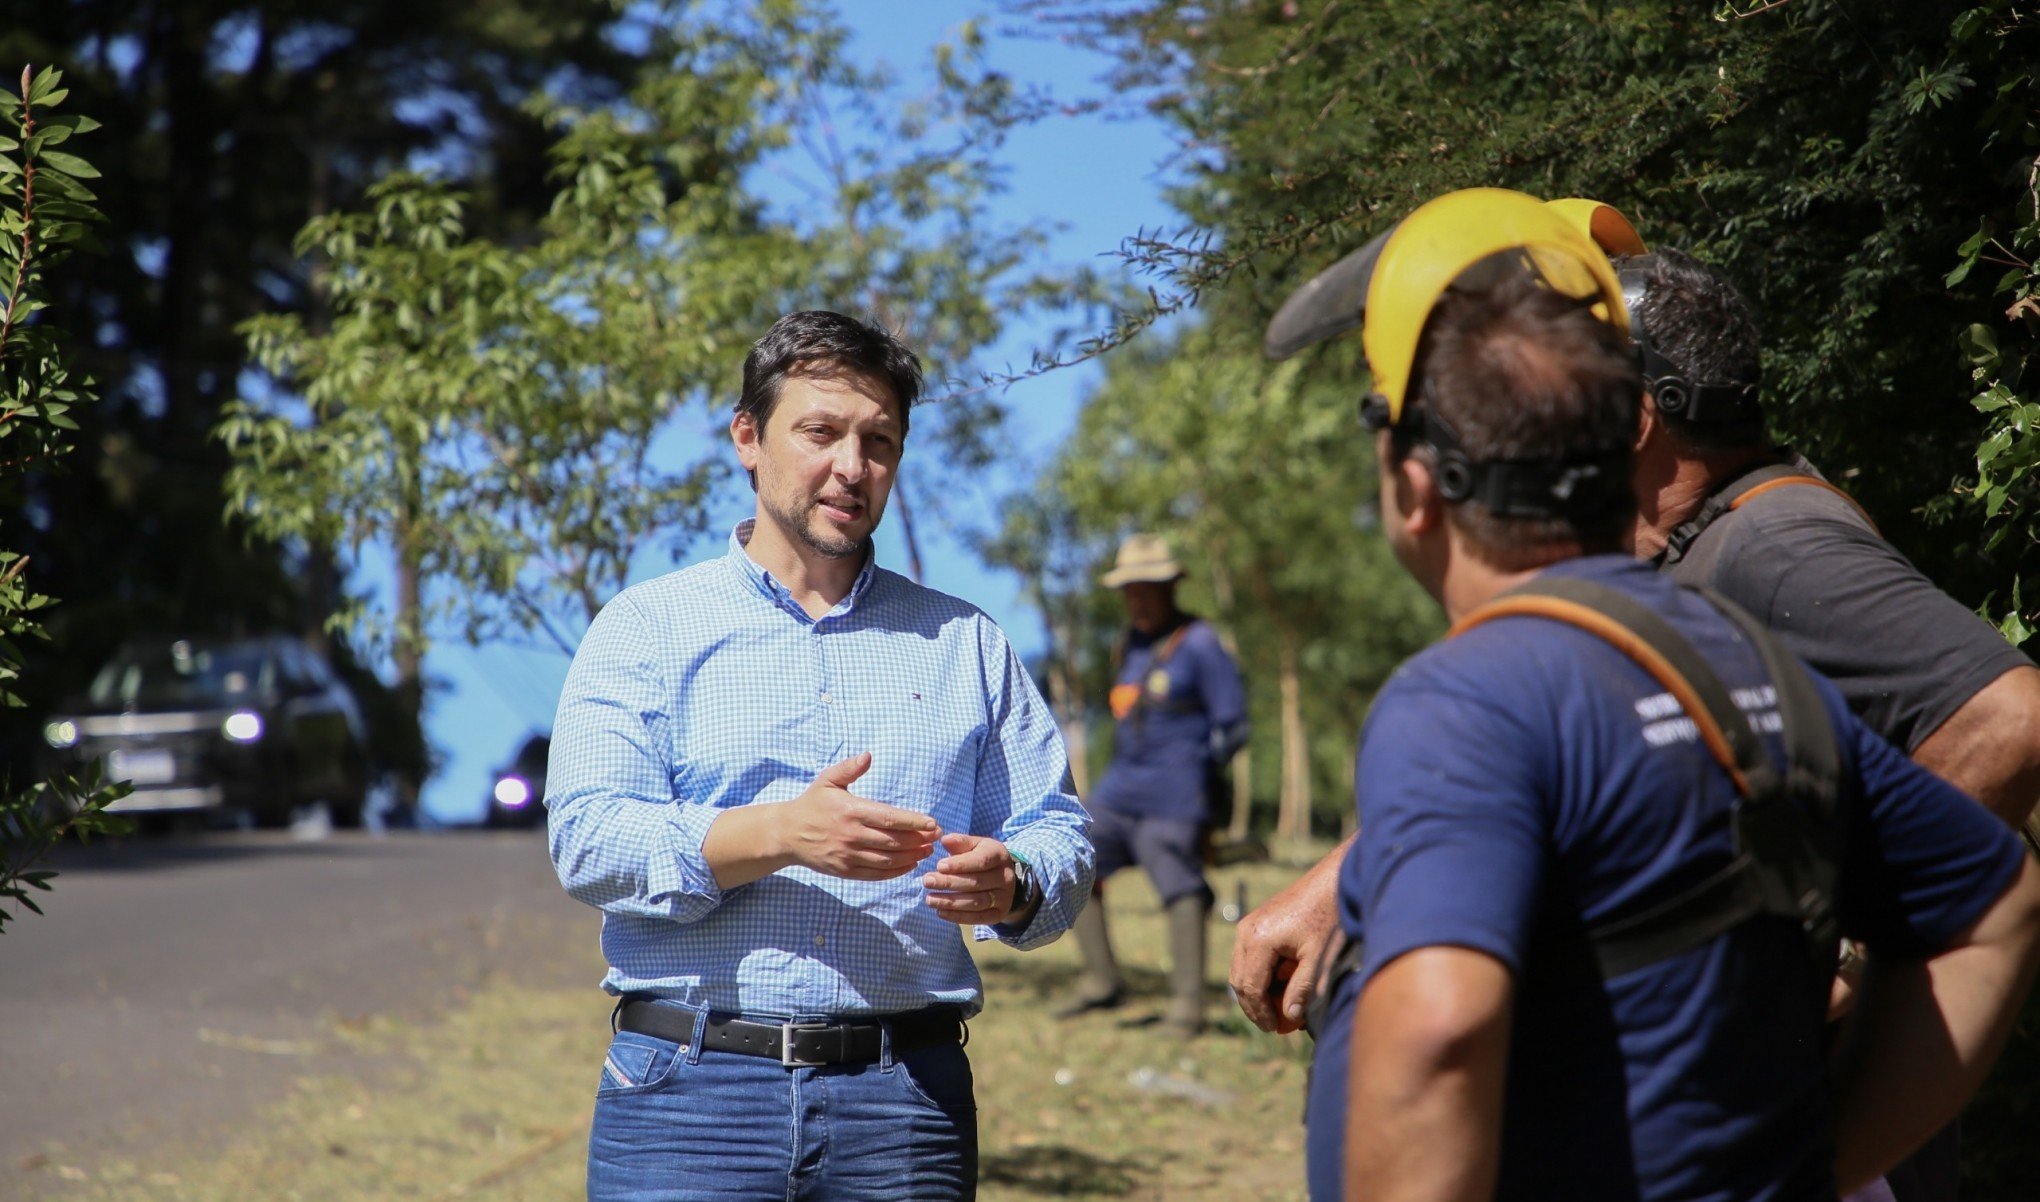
<point>1580,965</point>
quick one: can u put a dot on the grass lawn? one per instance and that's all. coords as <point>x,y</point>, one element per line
<point>492,1101</point>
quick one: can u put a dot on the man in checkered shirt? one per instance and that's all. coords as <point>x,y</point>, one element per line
<point>789,779</point>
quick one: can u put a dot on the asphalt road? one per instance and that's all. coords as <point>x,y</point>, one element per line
<point>174,985</point>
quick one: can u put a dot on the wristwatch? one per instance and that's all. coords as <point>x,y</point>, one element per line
<point>1025,889</point>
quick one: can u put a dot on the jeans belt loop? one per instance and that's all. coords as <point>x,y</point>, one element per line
<point>699,1042</point>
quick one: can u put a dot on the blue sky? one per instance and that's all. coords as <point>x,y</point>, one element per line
<point>1099,179</point>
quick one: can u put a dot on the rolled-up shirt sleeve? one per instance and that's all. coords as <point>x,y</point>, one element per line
<point>1024,799</point>
<point>621,840</point>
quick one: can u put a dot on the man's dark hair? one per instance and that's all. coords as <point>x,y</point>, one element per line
<point>1698,321</point>
<point>816,342</point>
<point>1524,374</point>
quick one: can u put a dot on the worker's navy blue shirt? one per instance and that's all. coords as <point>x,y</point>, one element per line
<point>1525,781</point>
<point>1162,748</point>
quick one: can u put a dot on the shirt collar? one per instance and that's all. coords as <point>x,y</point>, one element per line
<point>750,571</point>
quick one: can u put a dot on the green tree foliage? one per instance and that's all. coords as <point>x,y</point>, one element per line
<point>1830,155</point>
<point>46,211</point>
<point>1261,476</point>
<point>230,126</point>
<point>518,420</point>
<point>1990,50</point>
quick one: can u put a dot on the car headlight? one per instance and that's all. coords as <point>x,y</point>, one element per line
<point>61,734</point>
<point>242,726</point>
<point>513,793</point>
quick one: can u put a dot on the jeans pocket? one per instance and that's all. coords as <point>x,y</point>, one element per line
<point>638,1063</point>
<point>939,1076</point>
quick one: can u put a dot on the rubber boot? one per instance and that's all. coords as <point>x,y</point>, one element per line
<point>1099,986</point>
<point>1187,916</point>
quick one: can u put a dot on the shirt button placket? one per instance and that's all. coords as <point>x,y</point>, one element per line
<point>829,749</point>
<point>830,745</point>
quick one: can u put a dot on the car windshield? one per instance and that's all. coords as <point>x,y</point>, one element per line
<point>183,673</point>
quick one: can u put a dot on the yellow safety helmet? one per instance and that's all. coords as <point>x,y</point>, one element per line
<point>1602,222</point>
<point>1469,239</point>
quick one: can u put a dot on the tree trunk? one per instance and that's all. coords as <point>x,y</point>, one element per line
<point>1292,822</point>
<point>1242,796</point>
<point>1068,704</point>
<point>323,575</point>
<point>408,648</point>
<point>906,511</point>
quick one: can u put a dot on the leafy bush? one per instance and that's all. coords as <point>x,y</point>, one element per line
<point>45,212</point>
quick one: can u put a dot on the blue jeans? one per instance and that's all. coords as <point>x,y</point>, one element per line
<point>675,1124</point>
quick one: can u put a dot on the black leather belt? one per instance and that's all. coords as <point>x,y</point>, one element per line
<point>796,1045</point>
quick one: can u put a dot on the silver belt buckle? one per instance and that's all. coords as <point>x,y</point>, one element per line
<point>786,1057</point>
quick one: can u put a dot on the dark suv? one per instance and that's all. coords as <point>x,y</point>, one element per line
<point>260,725</point>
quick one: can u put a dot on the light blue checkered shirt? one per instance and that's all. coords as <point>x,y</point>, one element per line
<point>711,688</point>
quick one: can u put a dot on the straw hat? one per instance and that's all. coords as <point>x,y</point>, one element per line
<point>1143,559</point>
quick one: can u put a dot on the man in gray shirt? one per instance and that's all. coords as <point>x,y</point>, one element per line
<point>1725,510</point>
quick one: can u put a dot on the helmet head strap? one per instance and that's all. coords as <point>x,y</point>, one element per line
<point>1671,387</point>
<point>1516,488</point>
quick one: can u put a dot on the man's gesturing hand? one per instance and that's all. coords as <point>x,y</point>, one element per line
<point>974,882</point>
<point>832,830</point>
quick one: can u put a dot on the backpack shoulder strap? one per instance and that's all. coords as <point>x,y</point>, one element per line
<point>1172,644</point>
<point>1747,495</point>
<point>1145,702</point>
<point>1796,837</point>
<point>1785,855</point>
<point>1812,757</point>
<point>1739,492</point>
<point>1649,640</point>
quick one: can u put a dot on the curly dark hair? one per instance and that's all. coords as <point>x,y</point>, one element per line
<point>1698,321</point>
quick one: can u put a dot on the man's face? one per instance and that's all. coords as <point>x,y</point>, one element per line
<point>1148,605</point>
<point>825,459</point>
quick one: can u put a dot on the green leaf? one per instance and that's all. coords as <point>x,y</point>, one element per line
<point>64,185</point>
<point>71,121</point>
<point>1979,344</point>
<point>43,84</point>
<point>1993,447</point>
<point>69,164</point>
<point>69,209</point>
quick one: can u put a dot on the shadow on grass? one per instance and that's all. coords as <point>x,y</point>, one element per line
<point>1055,1170</point>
